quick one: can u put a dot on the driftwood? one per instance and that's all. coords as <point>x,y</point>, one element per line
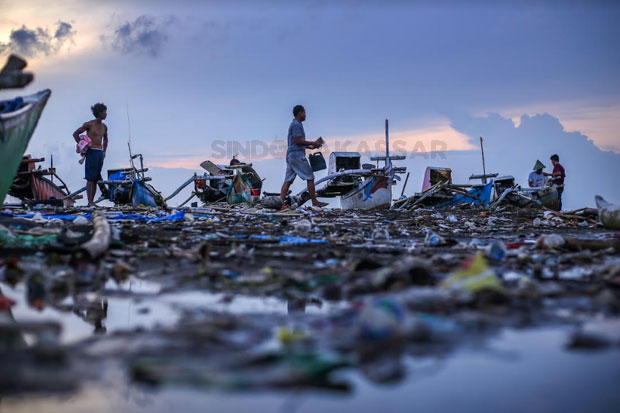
<point>100,240</point>
<point>12,75</point>
<point>430,191</point>
<point>577,244</point>
<point>571,216</point>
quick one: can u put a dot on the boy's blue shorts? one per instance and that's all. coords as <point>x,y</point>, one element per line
<point>93,165</point>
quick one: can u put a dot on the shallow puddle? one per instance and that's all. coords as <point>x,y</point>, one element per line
<point>145,308</point>
<point>505,375</point>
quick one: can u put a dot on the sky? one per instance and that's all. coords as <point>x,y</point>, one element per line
<point>196,80</point>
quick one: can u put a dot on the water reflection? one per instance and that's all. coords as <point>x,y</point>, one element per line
<point>93,312</point>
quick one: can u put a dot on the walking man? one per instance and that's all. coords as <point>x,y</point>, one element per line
<point>296,161</point>
<point>97,131</point>
<point>557,177</point>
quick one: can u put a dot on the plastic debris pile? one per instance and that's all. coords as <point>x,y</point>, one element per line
<point>343,290</point>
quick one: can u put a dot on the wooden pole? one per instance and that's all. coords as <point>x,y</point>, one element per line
<point>404,185</point>
<point>484,170</point>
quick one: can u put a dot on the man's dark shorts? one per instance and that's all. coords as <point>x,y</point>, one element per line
<point>93,165</point>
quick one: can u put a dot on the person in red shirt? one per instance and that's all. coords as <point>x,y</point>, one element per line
<point>557,177</point>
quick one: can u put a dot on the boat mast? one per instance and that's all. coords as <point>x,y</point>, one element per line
<point>129,138</point>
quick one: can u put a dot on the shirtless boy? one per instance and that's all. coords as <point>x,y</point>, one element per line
<point>97,131</point>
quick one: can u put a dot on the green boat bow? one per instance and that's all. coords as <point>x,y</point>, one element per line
<point>16,128</point>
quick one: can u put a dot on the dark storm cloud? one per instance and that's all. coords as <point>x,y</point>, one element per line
<point>145,35</point>
<point>32,42</point>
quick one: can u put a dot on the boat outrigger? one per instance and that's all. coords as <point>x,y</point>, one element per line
<point>18,120</point>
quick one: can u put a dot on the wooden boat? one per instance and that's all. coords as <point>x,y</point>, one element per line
<point>18,119</point>
<point>217,183</point>
<point>36,185</point>
<point>128,186</point>
<point>364,186</point>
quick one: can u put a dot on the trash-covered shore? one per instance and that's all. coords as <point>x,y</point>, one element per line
<point>307,302</point>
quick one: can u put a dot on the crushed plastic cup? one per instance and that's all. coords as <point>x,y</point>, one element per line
<point>302,226</point>
<point>477,242</point>
<point>38,217</point>
<point>550,241</point>
<point>80,220</point>
<point>380,234</point>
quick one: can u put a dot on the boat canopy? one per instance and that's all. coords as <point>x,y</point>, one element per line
<point>435,175</point>
<point>343,161</point>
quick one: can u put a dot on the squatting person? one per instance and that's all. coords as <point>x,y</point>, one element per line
<point>97,131</point>
<point>537,177</point>
<point>296,161</point>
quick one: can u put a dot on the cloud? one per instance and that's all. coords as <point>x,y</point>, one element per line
<point>38,41</point>
<point>145,35</point>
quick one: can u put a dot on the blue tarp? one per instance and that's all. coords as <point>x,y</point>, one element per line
<point>479,195</point>
<point>179,216</point>
<point>62,217</point>
<point>290,239</point>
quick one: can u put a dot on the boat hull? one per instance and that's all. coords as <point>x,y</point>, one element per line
<point>373,193</point>
<point>16,129</point>
<point>45,191</point>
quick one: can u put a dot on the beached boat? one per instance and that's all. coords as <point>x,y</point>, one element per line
<point>236,183</point>
<point>36,185</point>
<point>366,186</point>
<point>18,119</point>
<point>128,186</point>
